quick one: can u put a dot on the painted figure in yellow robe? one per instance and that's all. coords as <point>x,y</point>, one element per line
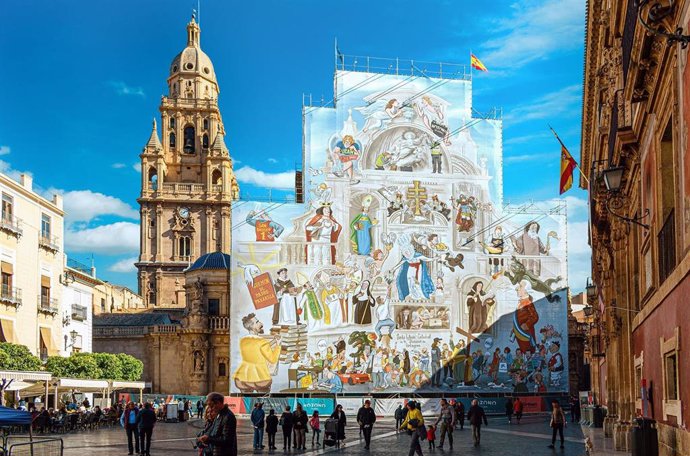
<point>259,357</point>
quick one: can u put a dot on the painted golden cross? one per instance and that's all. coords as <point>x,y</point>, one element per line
<point>417,193</point>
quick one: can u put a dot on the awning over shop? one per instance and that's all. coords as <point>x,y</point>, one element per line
<point>25,376</point>
<point>118,385</point>
<point>47,336</point>
<point>7,327</point>
<point>82,385</point>
<point>7,268</point>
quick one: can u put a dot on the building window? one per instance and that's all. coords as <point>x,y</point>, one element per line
<point>189,139</point>
<point>7,272</point>
<point>43,350</point>
<point>185,246</point>
<point>7,207</point>
<point>222,370</point>
<point>214,306</point>
<point>671,369</point>
<point>205,141</point>
<point>45,226</point>
<point>103,305</point>
<point>172,119</point>
<point>171,140</point>
<point>667,185</point>
<point>638,382</point>
<point>205,124</point>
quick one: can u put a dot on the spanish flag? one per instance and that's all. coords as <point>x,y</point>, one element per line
<point>568,165</point>
<point>476,63</point>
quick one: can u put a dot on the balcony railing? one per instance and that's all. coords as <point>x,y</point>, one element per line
<point>11,225</point>
<point>48,306</point>
<point>126,331</point>
<point>48,242</point>
<point>182,188</point>
<point>81,267</point>
<point>79,313</point>
<point>11,296</point>
<point>219,323</point>
<point>667,248</point>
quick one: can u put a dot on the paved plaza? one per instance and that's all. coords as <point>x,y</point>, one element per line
<point>171,439</point>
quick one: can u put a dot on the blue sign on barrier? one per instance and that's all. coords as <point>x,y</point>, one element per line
<point>491,405</point>
<point>323,405</point>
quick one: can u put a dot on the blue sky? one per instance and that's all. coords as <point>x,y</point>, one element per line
<point>82,81</point>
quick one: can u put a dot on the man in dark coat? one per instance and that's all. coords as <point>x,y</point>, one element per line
<point>476,416</point>
<point>366,419</point>
<point>146,420</point>
<point>221,436</point>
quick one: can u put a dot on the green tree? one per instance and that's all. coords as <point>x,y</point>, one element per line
<point>132,368</point>
<point>78,365</point>
<point>18,357</point>
<point>110,365</point>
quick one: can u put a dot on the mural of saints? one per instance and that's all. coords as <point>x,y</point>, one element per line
<point>362,302</point>
<point>285,312</point>
<point>529,243</point>
<point>413,278</point>
<point>467,210</point>
<point>360,229</point>
<point>323,229</point>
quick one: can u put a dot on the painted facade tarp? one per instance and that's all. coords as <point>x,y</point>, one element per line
<point>404,270</point>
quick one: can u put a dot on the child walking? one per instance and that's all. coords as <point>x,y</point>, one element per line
<point>315,428</point>
<point>431,436</point>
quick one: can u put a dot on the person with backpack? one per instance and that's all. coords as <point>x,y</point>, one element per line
<point>509,409</point>
<point>414,425</point>
<point>258,416</point>
<point>447,419</point>
<point>475,416</point>
<point>557,423</point>
<point>286,422</point>
<point>366,419</point>
<point>517,408</point>
<point>315,425</point>
<point>271,428</point>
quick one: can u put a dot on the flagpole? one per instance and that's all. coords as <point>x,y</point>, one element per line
<point>584,176</point>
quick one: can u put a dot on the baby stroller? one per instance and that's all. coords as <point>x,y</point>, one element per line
<point>330,436</point>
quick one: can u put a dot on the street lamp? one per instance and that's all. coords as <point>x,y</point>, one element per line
<point>657,13</point>
<point>591,289</point>
<point>67,278</point>
<point>613,179</point>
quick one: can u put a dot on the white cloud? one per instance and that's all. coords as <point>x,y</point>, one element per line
<point>137,167</point>
<point>534,31</point>
<point>124,266</point>
<point>272,160</point>
<point>112,239</point>
<point>121,88</point>
<point>525,158</point>
<point>85,205</point>
<point>118,165</point>
<point>559,103</point>
<point>14,174</point>
<point>249,175</point>
<point>4,150</point>
<point>525,138</point>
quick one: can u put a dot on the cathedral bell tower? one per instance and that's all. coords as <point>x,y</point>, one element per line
<point>187,182</point>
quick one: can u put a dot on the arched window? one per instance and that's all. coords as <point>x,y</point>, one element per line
<point>172,122</point>
<point>222,370</point>
<point>188,140</point>
<point>185,246</point>
<point>204,141</point>
<point>153,179</point>
<point>172,140</point>
<point>216,177</point>
<point>205,124</point>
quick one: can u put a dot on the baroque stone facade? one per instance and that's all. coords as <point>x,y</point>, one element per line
<point>635,112</point>
<point>187,189</point>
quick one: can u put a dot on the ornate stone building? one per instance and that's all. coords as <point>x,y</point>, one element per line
<point>187,191</point>
<point>187,184</point>
<point>636,154</point>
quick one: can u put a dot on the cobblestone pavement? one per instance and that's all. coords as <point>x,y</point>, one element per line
<point>530,438</point>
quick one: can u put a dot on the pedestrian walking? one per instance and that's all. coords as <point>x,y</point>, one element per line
<point>199,408</point>
<point>413,423</point>
<point>509,409</point>
<point>447,419</point>
<point>557,423</point>
<point>574,409</point>
<point>431,437</point>
<point>400,413</point>
<point>460,414</point>
<point>146,419</point>
<point>339,415</point>
<point>300,426</point>
<point>476,416</point>
<point>517,408</point>
<point>221,436</point>
<point>287,421</point>
<point>366,419</point>
<point>315,425</point>
<point>271,428</point>
<point>128,420</point>
<point>258,417</point>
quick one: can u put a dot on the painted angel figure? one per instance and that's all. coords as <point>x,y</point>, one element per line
<point>433,117</point>
<point>379,114</point>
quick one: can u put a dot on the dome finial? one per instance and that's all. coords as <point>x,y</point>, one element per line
<point>193,31</point>
<point>155,126</point>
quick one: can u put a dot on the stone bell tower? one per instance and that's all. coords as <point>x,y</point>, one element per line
<point>187,181</point>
